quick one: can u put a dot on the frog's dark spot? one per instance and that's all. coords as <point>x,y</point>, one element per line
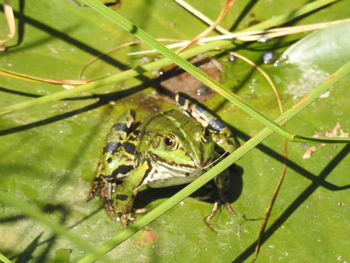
<point>120,127</point>
<point>198,109</point>
<point>132,138</point>
<point>98,179</point>
<point>229,142</point>
<point>122,197</point>
<point>129,147</point>
<point>109,160</point>
<point>187,174</point>
<point>123,169</point>
<point>216,125</point>
<point>181,100</point>
<point>111,147</point>
<point>118,182</point>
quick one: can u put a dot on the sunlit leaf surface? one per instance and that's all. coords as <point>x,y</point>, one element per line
<point>49,153</point>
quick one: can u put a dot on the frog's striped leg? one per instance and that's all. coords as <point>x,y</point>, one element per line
<point>126,192</point>
<point>117,161</point>
<point>223,137</point>
<point>220,132</point>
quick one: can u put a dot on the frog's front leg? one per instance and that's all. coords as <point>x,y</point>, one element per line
<point>117,161</point>
<point>126,192</point>
<point>220,132</point>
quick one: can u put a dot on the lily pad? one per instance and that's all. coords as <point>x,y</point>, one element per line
<point>50,152</point>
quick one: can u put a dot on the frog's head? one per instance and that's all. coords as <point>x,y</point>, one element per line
<point>178,140</point>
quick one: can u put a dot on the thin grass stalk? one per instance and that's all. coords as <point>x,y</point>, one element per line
<point>4,259</point>
<point>253,35</point>
<point>282,19</point>
<point>109,80</point>
<point>163,62</point>
<point>220,167</point>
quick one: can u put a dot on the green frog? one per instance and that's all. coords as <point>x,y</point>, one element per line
<point>169,148</point>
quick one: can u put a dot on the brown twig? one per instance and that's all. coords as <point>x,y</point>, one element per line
<point>272,202</point>
<point>285,150</point>
<point>11,25</point>
<point>265,75</point>
<point>221,16</point>
<point>39,79</point>
<point>201,16</point>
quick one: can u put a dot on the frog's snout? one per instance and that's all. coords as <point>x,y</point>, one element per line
<point>199,163</point>
<point>198,159</point>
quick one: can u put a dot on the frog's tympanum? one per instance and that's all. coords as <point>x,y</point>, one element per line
<point>169,148</point>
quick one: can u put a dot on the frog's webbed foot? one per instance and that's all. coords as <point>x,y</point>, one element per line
<point>103,188</point>
<point>129,217</point>
<point>215,210</point>
<point>220,192</point>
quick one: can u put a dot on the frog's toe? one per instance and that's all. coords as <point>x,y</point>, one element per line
<point>140,211</point>
<point>125,219</point>
<point>109,209</point>
<point>213,212</point>
<point>229,208</point>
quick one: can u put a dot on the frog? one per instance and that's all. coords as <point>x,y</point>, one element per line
<point>168,148</point>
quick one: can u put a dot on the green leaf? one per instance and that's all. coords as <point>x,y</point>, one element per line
<point>328,48</point>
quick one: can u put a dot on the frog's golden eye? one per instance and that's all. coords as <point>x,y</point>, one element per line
<point>170,142</point>
<point>205,135</point>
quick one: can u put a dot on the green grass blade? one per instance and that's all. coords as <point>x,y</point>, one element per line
<point>215,170</point>
<point>199,74</point>
<point>4,259</point>
<point>38,215</point>
<point>282,19</point>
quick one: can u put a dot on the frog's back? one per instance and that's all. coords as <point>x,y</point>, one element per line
<point>171,121</point>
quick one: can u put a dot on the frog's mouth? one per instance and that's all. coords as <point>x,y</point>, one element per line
<point>176,166</point>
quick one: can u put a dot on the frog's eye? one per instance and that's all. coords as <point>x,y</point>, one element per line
<point>170,142</point>
<point>205,135</point>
